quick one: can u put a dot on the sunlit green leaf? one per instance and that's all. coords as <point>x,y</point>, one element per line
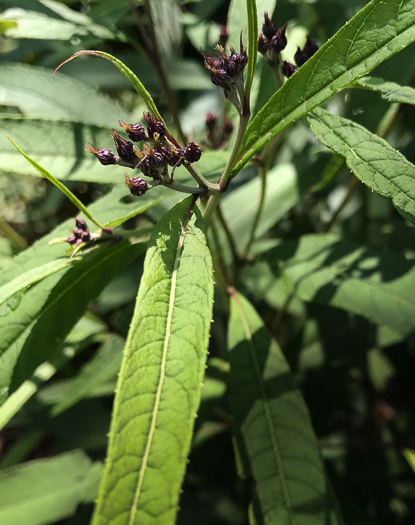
<point>40,94</point>
<point>160,380</point>
<point>378,165</point>
<point>47,490</point>
<point>390,91</point>
<point>48,311</point>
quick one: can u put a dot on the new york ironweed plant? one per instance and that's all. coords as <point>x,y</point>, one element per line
<point>216,187</point>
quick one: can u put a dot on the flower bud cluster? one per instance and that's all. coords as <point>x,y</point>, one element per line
<point>301,56</point>
<point>271,42</point>
<point>81,234</point>
<point>153,160</point>
<point>227,72</point>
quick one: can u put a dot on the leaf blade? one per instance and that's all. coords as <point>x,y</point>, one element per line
<point>370,282</point>
<point>272,428</point>
<point>166,348</point>
<point>378,165</point>
<point>390,91</point>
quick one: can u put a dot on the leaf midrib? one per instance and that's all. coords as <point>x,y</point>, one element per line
<point>172,296</point>
<point>267,409</point>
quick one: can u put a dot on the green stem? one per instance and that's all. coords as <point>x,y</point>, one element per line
<point>12,235</point>
<point>263,182</point>
<point>200,179</point>
<point>226,175</point>
<point>182,188</point>
<point>229,236</point>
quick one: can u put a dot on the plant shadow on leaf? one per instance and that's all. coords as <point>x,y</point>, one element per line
<point>307,499</point>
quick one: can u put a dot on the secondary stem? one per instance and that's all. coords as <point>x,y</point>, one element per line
<point>225,178</point>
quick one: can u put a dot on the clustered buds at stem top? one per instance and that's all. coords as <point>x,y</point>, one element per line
<point>81,234</point>
<point>271,42</point>
<point>153,160</point>
<point>302,55</point>
<point>227,73</point>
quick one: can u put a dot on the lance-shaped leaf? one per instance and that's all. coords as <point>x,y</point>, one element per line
<point>275,442</point>
<point>160,380</point>
<point>377,32</point>
<point>47,490</point>
<point>370,282</point>
<point>39,93</point>
<point>378,165</point>
<point>32,332</point>
<point>390,91</point>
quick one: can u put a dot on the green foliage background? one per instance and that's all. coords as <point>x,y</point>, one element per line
<point>311,357</point>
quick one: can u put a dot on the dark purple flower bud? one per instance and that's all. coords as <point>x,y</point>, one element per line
<point>135,132</point>
<point>223,35</point>
<point>73,240</point>
<point>268,28</point>
<point>154,126</point>
<point>125,148</point>
<point>310,48</point>
<point>227,127</point>
<point>80,234</point>
<point>105,156</point>
<point>137,185</point>
<point>299,57</point>
<point>302,55</point>
<point>176,156</point>
<point>288,69</point>
<point>86,236</point>
<point>192,152</point>
<point>279,40</point>
<point>263,44</point>
<point>81,224</point>
<point>238,60</point>
<point>210,120</point>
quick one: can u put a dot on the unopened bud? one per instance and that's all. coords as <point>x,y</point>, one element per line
<point>154,125</point>
<point>81,234</point>
<point>137,185</point>
<point>302,55</point>
<point>81,224</point>
<point>105,156</point>
<point>268,28</point>
<point>263,44</point>
<point>192,152</point>
<point>288,69</point>
<point>279,40</point>
<point>135,132</point>
<point>125,148</point>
